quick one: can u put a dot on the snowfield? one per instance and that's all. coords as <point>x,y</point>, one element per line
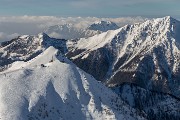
<point>51,87</point>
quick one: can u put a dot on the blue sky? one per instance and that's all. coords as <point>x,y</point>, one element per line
<point>18,17</point>
<point>97,8</point>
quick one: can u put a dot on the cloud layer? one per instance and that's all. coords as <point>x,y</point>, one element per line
<point>13,26</point>
<point>4,36</point>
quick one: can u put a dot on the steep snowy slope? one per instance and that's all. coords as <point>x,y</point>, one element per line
<point>71,31</point>
<point>46,88</point>
<point>146,54</point>
<point>27,47</point>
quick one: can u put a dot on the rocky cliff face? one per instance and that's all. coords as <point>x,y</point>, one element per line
<point>156,105</point>
<point>146,54</point>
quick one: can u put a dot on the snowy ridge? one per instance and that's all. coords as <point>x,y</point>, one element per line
<point>57,90</point>
<point>27,47</point>
<point>139,62</point>
<point>145,53</point>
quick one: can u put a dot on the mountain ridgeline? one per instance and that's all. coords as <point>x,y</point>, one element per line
<point>146,54</point>
<point>27,47</point>
<point>57,90</point>
<point>63,79</point>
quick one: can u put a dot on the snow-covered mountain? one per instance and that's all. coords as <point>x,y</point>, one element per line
<point>27,47</point>
<point>139,62</point>
<point>72,31</point>
<point>147,54</point>
<point>49,86</point>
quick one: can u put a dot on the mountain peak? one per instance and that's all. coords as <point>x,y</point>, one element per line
<point>168,19</point>
<point>47,87</point>
<point>43,35</point>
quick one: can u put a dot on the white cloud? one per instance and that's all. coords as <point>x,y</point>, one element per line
<point>12,26</point>
<point>4,36</point>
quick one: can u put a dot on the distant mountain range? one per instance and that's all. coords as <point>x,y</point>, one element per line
<point>48,78</point>
<point>72,31</point>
